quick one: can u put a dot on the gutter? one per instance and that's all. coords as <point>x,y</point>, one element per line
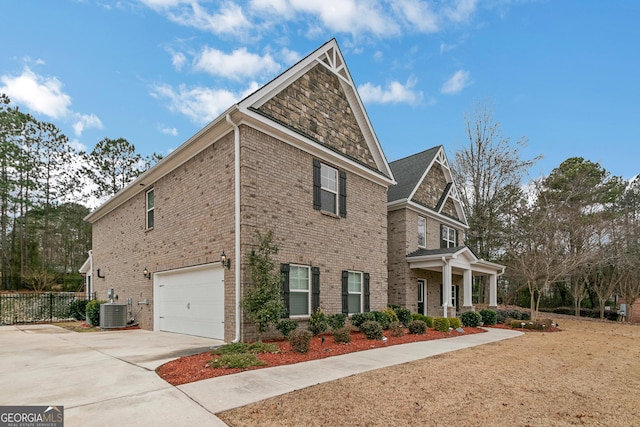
<point>236,144</point>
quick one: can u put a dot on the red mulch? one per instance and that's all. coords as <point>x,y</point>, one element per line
<point>195,368</point>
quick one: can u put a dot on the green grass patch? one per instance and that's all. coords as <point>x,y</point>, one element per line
<point>236,360</point>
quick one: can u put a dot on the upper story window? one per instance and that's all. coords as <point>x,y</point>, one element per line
<point>329,189</point>
<point>150,209</point>
<point>448,237</point>
<point>422,232</point>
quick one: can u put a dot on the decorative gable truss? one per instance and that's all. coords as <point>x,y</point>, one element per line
<point>315,106</point>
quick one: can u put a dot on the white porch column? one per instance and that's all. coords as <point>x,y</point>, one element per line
<point>467,287</point>
<point>493,290</point>
<point>446,288</point>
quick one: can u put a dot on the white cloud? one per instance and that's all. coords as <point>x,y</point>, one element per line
<point>199,104</point>
<point>418,14</point>
<point>178,59</point>
<point>168,130</point>
<point>395,93</point>
<point>229,20</point>
<point>460,10</point>
<point>236,65</point>
<point>290,57</point>
<point>86,121</point>
<point>39,94</point>
<point>457,82</point>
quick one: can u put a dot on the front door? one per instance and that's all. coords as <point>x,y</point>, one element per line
<point>422,297</point>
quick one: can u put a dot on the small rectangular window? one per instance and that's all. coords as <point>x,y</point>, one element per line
<point>449,237</point>
<point>329,189</point>
<point>355,292</point>
<point>150,209</point>
<point>422,232</point>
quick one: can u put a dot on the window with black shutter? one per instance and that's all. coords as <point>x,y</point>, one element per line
<point>329,189</point>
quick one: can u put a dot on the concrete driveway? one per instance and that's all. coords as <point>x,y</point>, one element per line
<point>101,379</point>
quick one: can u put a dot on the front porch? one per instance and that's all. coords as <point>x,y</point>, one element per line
<point>450,272</point>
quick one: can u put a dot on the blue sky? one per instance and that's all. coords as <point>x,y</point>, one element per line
<point>564,74</point>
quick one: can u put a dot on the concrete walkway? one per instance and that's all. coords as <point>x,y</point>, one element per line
<point>108,378</point>
<point>232,391</point>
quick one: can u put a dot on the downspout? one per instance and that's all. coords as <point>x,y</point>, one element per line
<point>236,144</point>
<point>446,290</point>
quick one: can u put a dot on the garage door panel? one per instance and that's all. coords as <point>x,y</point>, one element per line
<point>191,301</point>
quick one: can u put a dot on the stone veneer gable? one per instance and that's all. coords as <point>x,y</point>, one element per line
<point>430,190</point>
<point>315,105</point>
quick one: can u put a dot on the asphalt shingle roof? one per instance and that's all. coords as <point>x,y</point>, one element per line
<point>408,171</point>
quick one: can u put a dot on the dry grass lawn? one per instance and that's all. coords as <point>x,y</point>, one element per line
<point>588,374</point>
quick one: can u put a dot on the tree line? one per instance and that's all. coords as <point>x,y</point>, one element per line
<point>46,188</point>
<point>577,228</point>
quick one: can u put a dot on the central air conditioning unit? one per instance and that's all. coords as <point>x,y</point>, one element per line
<point>113,315</point>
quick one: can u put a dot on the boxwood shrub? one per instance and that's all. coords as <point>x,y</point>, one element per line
<point>441,324</point>
<point>372,330</point>
<point>286,326</point>
<point>300,340</point>
<point>396,329</point>
<point>426,319</point>
<point>489,317</point>
<point>454,322</point>
<point>342,335</point>
<point>357,319</point>
<point>471,319</point>
<point>404,315</point>
<point>417,327</point>
<point>337,321</point>
<point>93,311</point>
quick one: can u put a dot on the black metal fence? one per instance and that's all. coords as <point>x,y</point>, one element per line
<point>42,307</point>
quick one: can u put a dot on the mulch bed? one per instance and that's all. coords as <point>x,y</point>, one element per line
<point>195,368</point>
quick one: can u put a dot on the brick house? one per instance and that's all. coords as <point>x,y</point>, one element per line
<point>430,270</point>
<point>299,157</point>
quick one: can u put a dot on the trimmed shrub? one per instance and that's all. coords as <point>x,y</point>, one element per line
<point>441,324</point>
<point>236,360</point>
<point>489,317</point>
<point>381,318</point>
<point>503,315</point>
<point>78,309</point>
<point>426,319</point>
<point>372,330</point>
<point>391,315</point>
<point>417,327</point>
<point>357,319</point>
<point>396,329</point>
<point>454,322</point>
<point>337,321</point>
<point>471,319</point>
<point>318,322</point>
<point>93,311</point>
<point>300,340</point>
<point>241,347</point>
<point>404,315</point>
<point>286,326</point>
<point>342,335</point>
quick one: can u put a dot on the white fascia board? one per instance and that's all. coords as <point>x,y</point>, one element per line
<point>295,139</point>
<point>194,145</point>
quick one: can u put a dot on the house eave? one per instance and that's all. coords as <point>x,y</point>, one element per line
<point>216,130</point>
<point>422,210</point>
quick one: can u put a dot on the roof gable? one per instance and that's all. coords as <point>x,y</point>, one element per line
<point>317,99</point>
<point>426,180</point>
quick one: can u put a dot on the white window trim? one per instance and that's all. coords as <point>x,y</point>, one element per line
<point>324,166</point>
<point>422,223</point>
<point>361,293</point>
<point>446,232</point>
<point>148,210</point>
<point>453,295</point>
<point>308,291</point>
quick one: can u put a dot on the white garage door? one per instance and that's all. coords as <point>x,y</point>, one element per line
<point>190,301</point>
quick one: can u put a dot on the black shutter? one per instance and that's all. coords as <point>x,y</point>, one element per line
<point>443,242</point>
<point>345,292</point>
<point>284,273</point>
<point>315,289</point>
<point>343,194</point>
<point>366,292</point>
<point>457,296</point>
<point>441,294</point>
<point>317,194</point>
<point>457,239</point>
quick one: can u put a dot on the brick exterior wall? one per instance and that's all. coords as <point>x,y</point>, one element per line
<point>403,281</point>
<point>283,202</point>
<point>194,214</point>
<point>327,119</point>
